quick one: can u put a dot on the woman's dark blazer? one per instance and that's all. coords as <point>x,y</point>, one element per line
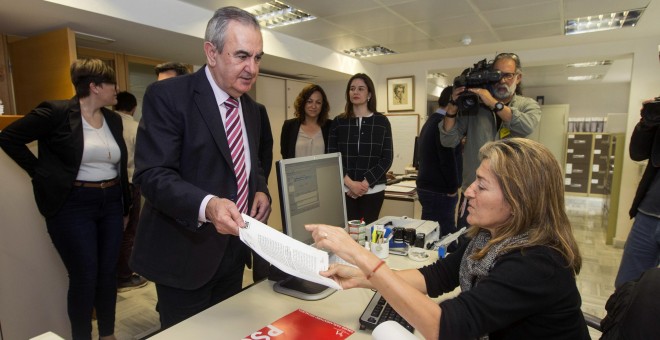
<point>57,126</point>
<point>290,136</point>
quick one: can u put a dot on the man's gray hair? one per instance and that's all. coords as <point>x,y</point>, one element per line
<point>217,27</point>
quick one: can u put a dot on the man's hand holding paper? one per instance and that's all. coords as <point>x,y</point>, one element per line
<point>289,255</point>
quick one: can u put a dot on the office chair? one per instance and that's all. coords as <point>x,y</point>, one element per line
<point>633,311</point>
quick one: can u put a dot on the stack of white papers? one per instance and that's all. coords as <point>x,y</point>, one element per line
<point>403,188</point>
<point>289,255</point>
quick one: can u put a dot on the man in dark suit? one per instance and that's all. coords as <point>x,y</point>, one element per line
<point>439,170</point>
<point>194,179</point>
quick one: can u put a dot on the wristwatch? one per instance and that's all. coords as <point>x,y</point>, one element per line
<point>498,107</point>
<point>448,115</point>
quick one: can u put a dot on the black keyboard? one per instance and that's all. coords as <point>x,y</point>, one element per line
<point>378,311</point>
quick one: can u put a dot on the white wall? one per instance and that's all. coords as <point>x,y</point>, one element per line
<point>34,281</point>
<point>335,91</point>
<point>589,100</point>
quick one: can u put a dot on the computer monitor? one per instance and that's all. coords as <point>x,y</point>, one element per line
<point>311,191</point>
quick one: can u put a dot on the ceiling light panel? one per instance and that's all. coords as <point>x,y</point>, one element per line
<point>275,14</point>
<point>602,22</point>
<point>369,51</point>
<point>591,63</point>
<point>585,78</point>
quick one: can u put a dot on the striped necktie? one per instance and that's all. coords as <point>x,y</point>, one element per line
<point>235,139</point>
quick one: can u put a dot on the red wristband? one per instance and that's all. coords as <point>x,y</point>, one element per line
<point>375,269</point>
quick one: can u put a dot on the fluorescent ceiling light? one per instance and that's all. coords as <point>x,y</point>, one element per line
<point>591,63</point>
<point>585,78</point>
<point>602,22</point>
<point>275,13</point>
<point>93,38</point>
<point>369,51</point>
<point>433,75</point>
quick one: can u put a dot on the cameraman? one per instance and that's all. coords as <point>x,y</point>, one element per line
<point>642,249</point>
<point>503,113</point>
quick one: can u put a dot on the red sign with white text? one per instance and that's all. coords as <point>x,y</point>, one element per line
<point>299,325</point>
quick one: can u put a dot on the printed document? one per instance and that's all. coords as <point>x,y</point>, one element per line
<point>290,255</point>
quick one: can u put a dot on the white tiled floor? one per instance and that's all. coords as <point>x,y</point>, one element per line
<point>137,318</point>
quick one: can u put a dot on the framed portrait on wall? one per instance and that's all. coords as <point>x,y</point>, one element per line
<point>401,94</point>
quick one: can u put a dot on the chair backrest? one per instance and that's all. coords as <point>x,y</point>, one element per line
<point>633,309</point>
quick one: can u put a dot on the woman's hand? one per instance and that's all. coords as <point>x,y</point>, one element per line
<point>346,276</point>
<point>336,240</point>
<point>364,187</point>
<point>356,189</point>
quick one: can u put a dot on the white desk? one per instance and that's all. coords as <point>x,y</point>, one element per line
<point>259,305</point>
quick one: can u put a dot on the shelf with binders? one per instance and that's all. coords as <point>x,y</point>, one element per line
<point>589,163</point>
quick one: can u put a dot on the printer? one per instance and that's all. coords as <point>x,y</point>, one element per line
<point>430,229</point>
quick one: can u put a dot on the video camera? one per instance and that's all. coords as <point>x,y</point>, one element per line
<point>479,76</point>
<point>651,112</point>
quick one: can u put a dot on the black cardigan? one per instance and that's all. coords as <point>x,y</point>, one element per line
<point>57,125</point>
<point>290,135</point>
<point>528,294</point>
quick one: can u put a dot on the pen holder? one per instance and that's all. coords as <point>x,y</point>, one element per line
<point>382,250</point>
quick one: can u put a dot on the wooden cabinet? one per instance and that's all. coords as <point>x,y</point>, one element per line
<point>600,174</point>
<point>590,159</point>
<point>40,68</point>
<point>594,162</point>
<point>578,162</point>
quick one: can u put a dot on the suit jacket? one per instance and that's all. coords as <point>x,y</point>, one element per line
<point>181,156</point>
<point>58,128</point>
<point>265,143</point>
<point>290,136</point>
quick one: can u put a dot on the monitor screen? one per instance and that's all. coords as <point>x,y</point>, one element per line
<point>311,191</point>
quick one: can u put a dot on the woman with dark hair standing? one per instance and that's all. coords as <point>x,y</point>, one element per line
<point>307,133</point>
<point>364,138</point>
<point>81,188</point>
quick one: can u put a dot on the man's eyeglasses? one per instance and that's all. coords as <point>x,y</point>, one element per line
<point>508,76</point>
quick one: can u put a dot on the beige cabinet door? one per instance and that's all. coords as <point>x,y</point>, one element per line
<point>551,130</point>
<point>40,68</point>
<point>271,92</point>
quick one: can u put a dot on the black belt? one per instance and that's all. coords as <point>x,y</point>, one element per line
<point>101,185</point>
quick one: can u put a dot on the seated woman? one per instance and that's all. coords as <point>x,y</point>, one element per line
<point>517,272</point>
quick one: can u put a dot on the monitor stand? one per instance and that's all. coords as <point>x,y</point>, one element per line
<point>302,289</point>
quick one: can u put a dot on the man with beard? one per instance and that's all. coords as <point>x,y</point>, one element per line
<point>503,113</point>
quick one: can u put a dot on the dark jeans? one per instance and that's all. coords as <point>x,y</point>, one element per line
<point>175,304</point>
<point>87,233</point>
<point>642,249</point>
<point>367,207</point>
<point>123,270</point>
<point>439,207</point>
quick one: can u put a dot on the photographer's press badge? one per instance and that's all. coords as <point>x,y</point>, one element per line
<point>504,132</point>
